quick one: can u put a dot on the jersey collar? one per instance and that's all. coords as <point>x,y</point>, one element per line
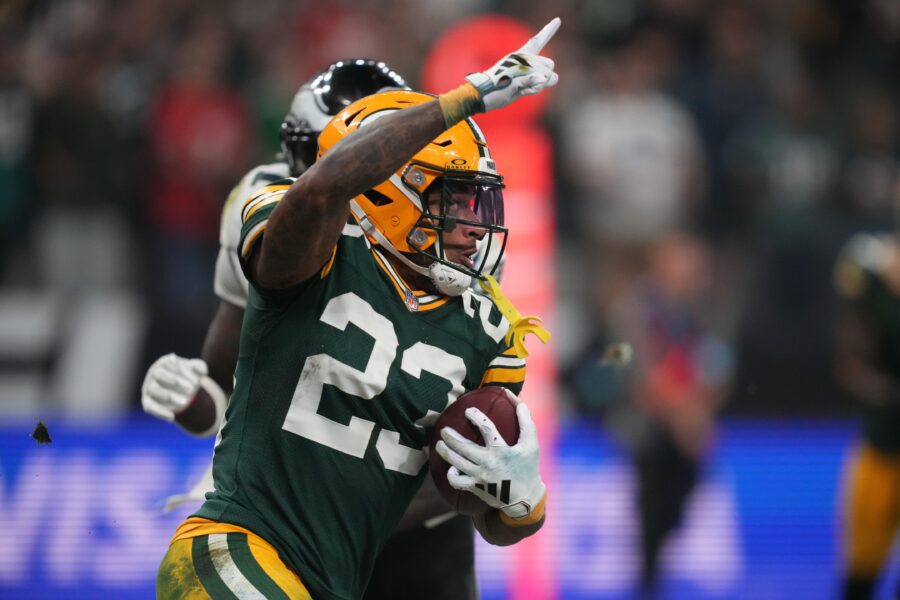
<point>414,300</point>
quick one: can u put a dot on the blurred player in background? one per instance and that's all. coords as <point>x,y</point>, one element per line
<point>678,381</point>
<point>295,482</point>
<point>657,375</point>
<point>867,276</point>
<point>172,384</point>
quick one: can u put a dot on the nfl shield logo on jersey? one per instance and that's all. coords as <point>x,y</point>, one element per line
<point>412,303</point>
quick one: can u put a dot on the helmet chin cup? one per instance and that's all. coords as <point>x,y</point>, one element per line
<point>448,280</point>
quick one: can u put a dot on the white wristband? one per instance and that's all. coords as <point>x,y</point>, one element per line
<point>220,401</point>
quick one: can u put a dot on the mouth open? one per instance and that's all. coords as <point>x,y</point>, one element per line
<point>463,257</point>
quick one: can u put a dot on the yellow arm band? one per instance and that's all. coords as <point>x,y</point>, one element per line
<point>460,103</point>
<point>536,514</point>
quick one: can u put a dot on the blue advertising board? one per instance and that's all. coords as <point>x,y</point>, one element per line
<point>84,514</point>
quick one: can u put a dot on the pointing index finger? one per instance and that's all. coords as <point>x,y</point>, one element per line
<point>537,43</point>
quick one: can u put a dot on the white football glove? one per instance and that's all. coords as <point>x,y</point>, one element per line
<point>503,476</point>
<point>518,74</point>
<point>171,384</point>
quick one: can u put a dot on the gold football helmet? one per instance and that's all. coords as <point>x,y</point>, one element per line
<point>395,213</point>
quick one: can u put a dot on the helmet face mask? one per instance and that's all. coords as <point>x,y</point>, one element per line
<point>475,203</point>
<point>298,144</point>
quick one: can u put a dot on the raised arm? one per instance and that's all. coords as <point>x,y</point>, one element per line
<point>303,228</point>
<point>306,224</point>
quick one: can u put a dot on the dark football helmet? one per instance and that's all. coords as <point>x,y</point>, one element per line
<point>325,95</point>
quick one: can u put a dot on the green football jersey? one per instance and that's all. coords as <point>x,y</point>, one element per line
<point>325,438</point>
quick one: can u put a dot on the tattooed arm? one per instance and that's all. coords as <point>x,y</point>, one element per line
<point>306,224</point>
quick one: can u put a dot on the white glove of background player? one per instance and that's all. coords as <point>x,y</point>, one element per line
<point>518,74</point>
<point>171,384</point>
<point>503,476</point>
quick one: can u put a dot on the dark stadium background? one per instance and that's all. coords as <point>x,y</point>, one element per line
<point>726,148</point>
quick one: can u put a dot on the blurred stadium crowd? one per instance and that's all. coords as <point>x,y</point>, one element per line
<point>712,157</point>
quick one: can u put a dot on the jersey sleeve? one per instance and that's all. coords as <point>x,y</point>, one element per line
<point>229,283</point>
<point>505,370</point>
<point>255,214</point>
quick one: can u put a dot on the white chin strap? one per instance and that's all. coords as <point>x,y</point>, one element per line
<point>447,280</point>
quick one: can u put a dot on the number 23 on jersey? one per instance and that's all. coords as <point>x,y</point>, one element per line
<point>303,416</point>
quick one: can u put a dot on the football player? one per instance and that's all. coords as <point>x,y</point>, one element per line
<point>172,384</point>
<point>358,332</point>
<point>868,367</point>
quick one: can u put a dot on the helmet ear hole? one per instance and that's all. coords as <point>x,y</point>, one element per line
<point>377,198</point>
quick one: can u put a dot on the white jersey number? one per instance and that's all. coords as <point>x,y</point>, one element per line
<point>303,417</point>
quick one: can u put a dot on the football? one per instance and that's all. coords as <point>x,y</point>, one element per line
<point>500,407</point>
